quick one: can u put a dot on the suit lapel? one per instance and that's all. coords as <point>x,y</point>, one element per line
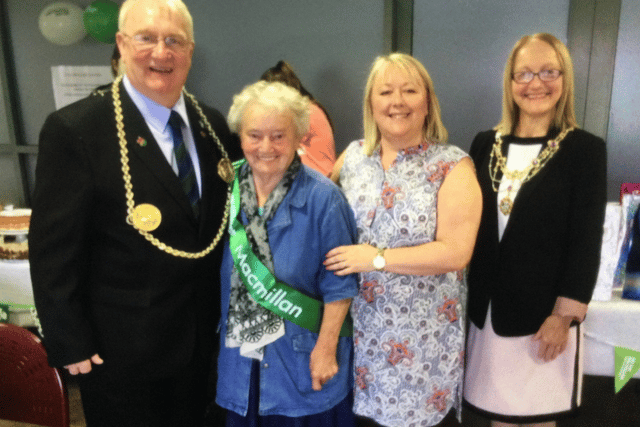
<point>142,144</point>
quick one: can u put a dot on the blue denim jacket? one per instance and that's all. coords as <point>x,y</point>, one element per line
<point>313,218</point>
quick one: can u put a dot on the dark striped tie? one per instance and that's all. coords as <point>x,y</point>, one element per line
<point>185,168</point>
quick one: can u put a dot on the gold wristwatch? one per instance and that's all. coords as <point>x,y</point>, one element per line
<point>378,261</point>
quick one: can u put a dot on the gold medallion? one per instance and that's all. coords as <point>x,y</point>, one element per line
<point>506,205</point>
<point>225,170</point>
<point>146,217</point>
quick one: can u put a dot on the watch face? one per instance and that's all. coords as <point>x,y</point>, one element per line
<point>378,262</point>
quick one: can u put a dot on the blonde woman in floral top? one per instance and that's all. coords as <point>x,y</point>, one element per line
<point>417,205</point>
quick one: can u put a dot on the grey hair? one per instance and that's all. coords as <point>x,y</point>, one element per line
<point>274,96</point>
<point>171,5</point>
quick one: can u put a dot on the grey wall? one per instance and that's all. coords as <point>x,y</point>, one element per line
<point>10,188</point>
<point>464,45</point>
<point>33,57</point>
<point>623,138</point>
<point>330,43</point>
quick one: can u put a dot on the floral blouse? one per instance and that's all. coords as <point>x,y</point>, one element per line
<point>408,330</point>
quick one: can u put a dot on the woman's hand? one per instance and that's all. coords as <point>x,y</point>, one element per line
<point>458,212</point>
<point>323,364</point>
<point>349,259</point>
<point>553,336</point>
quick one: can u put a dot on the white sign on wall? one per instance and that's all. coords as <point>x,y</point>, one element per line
<point>72,83</point>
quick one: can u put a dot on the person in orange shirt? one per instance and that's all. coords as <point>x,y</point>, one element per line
<point>317,149</point>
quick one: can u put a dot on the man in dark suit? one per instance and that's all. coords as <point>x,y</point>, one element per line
<point>126,231</point>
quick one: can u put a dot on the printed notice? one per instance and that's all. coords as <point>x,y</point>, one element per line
<point>71,83</point>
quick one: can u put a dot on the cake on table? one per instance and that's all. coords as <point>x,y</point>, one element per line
<point>14,228</point>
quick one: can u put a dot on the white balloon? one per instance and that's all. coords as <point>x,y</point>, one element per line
<point>61,23</point>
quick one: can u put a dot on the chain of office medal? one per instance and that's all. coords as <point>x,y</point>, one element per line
<point>124,157</point>
<point>500,165</point>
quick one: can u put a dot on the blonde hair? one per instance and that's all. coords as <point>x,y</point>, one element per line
<point>565,116</point>
<point>275,96</point>
<point>433,128</point>
<point>169,5</point>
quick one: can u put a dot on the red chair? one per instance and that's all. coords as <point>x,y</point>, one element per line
<point>30,390</point>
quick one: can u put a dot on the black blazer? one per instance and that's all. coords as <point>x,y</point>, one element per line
<point>99,286</point>
<point>551,245</point>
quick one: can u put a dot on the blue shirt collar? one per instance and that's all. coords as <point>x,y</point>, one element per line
<point>156,115</point>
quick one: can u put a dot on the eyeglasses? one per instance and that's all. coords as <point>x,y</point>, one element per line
<point>146,41</point>
<point>544,75</point>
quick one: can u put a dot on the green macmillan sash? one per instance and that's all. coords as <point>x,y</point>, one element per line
<point>266,290</point>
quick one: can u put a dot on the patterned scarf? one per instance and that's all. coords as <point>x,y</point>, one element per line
<point>249,325</point>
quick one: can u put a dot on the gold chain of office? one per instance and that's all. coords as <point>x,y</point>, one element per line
<point>124,157</point>
<point>524,175</point>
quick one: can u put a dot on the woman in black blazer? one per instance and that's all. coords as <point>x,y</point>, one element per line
<point>536,257</point>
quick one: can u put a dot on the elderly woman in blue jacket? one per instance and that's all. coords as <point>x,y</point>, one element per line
<point>285,343</point>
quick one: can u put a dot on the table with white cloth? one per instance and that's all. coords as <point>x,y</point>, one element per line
<point>16,291</point>
<point>610,324</point>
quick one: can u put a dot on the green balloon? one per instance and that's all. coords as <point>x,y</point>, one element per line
<point>101,20</point>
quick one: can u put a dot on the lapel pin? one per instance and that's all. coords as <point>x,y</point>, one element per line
<point>203,134</point>
<point>141,141</point>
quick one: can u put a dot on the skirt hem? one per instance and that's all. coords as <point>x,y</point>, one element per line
<point>522,419</point>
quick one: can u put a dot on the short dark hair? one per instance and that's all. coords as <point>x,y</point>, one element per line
<point>283,72</point>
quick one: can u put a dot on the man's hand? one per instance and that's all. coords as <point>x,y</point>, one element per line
<point>84,367</point>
